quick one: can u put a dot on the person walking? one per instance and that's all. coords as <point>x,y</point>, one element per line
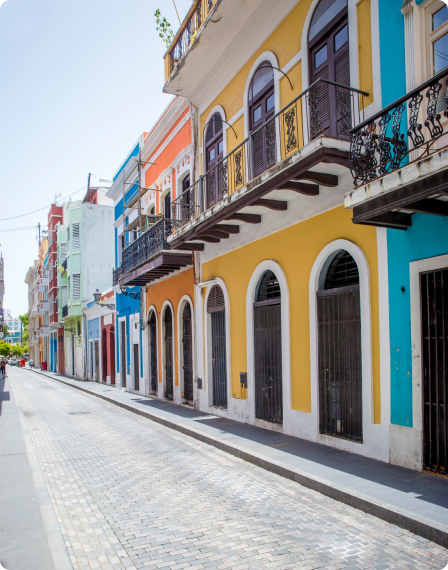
<point>2,368</point>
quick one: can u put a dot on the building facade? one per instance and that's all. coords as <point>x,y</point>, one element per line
<point>14,325</point>
<point>55,219</point>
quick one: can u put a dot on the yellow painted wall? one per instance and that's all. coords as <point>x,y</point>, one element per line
<point>285,43</point>
<point>295,249</point>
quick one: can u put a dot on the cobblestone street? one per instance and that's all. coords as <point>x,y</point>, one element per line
<point>129,493</point>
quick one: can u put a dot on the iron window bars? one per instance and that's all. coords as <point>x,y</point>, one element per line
<point>294,126</point>
<point>403,132</point>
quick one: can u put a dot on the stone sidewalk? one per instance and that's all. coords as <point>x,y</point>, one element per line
<point>412,500</point>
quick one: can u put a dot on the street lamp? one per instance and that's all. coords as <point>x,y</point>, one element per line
<point>97,297</point>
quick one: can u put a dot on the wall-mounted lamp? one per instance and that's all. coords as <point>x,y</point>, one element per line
<point>97,297</point>
<point>131,294</point>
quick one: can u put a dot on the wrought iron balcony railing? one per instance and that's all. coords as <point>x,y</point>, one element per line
<point>65,311</point>
<point>147,245</point>
<point>324,109</point>
<point>190,26</point>
<point>403,132</point>
<point>116,274</point>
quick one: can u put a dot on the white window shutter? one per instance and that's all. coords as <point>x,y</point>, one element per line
<point>63,253</point>
<point>75,235</point>
<point>64,296</point>
<point>68,288</point>
<point>76,285</point>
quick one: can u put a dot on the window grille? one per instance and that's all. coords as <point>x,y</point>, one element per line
<point>342,272</point>
<point>76,286</point>
<point>269,288</point>
<point>75,235</point>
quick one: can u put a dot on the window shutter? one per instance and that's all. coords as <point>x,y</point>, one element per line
<point>215,302</point>
<point>63,252</point>
<point>68,287</point>
<point>75,235</point>
<point>64,295</point>
<point>76,286</point>
<point>68,239</point>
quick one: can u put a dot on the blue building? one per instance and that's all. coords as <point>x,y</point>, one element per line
<point>399,160</point>
<point>125,192</point>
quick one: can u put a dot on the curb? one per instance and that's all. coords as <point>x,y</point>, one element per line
<point>402,518</point>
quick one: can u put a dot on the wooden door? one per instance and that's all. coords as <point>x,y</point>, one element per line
<point>97,361</point>
<point>123,354</point>
<point>136,369</point>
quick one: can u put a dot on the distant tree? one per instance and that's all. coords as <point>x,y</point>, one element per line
<point>5,330</point>
<point>5,349</point>
<point>24,321</point>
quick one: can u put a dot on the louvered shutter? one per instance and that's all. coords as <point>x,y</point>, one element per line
<point>75,235</point>
<point>64,296</point>
<point>68,288</point>
<point>76,286</point>
<point>68,239</point>
<point>63,256</point>
<point>215,303</point>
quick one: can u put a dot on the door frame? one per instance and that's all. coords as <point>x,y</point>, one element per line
<point>162,346</point>
<point>415,268</point>
<point>208,344</point>
<point>120,345</point>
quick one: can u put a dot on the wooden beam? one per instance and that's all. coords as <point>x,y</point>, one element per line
<point>215,233</point>
<point>191,246</point>
<point>321,178</point>
<point>248,218</point>
<point>434,207</point>
<point>301,188</point>
<point>229,228</point>
<point>207,239</point>
<point>393,220</point>
<point>279,205</point>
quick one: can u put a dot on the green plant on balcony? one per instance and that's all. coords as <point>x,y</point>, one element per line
<point>164,28</point>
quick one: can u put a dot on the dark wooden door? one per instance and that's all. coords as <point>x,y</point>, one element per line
<point>104,354</point>
<point>136,369</point>
<point>434,315</point>
<point>112,356</point>
<point>340,366</point>
<point>97,361</point>
<point>169,367</point>
<point>187,352</point>
<point>167,206</point>
<point>219,360</point>
<point>261,112</point>
<point>91,361</point>
<point>216,184</point>
<point>123,354</point>
<point>329,107</point>
<point>153,352</point>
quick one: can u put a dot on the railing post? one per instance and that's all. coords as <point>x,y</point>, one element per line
<point>201,194</point>
<point>251,156</point>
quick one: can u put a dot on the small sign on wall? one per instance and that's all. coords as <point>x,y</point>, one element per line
<point>108,319</point>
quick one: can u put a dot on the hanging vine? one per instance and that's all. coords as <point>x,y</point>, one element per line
<point>164,28</point>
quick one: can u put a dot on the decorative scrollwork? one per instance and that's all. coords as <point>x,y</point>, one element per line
<point>343,106</point>
<point>398,142</point>
<point>223,186</point>
<point>432,122</point>
<point>271,140</point>
<point>415,128</point>
<point>355,162</point>
<point>210,5</point>
<point>238,167</point>
<point>383,145</point>
<point>291,129</point>
<point>315,118</point>
<point>199,14</point>
<point>211,187</point>
<point>370,149</point>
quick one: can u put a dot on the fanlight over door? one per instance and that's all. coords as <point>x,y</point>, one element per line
<point>268,350</point>
<point>340,369</point>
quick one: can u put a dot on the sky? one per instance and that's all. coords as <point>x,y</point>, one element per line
<point>79,82</point>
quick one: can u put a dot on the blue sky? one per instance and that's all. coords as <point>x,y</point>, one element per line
<point>80,81</point>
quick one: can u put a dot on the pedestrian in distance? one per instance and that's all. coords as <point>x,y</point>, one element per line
<point>2,368</point>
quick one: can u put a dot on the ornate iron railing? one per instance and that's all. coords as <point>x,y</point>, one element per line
<point>65,311</point>
<point>190,26</point>
<point>405,131</point>
<point>324,109</point>
<point>116,274</point>
<point>147,245</point>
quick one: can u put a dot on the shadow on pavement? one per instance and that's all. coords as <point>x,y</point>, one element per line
<point>4,396</point>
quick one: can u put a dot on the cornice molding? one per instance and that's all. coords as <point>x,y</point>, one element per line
<point>407,6</point>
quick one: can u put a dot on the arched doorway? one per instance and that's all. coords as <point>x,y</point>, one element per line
<point>104,354</point>
<point>187,352</point>
<point>328,50</point>
<point>153,352</point>
<point>112,355</point>
<point>168,345</point>
<point>339,337</point>
<point>214,153</point>
<point>268,350</point>
<point>216,310</point>
<point>261,111</point>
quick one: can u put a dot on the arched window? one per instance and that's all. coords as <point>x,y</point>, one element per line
<point>153,380</point>
<point>214,153</point>
<point>329,106</point>
<point>168,344</point>
<point>261,110</point>
<point>340,366</point>
<point>187,352</point>
<point>268,350</point>
<point>216,310</point>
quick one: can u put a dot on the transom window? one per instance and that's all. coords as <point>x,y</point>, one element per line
<point>437,25</point>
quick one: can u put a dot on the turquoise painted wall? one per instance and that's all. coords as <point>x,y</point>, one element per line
<point>428,237</point>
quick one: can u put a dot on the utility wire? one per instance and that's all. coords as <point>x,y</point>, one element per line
<point>19,229</point>
<point>40,209</point>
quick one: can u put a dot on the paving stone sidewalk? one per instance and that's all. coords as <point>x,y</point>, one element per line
<point>130,493</point>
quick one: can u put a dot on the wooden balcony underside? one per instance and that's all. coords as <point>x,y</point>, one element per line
<point>164,264</point>
<point>297,177</point>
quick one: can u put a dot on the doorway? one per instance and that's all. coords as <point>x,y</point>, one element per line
<point>153,352</point>
<point>123,354</point>
<point>216,310</point>
<point>136,369</point>
<point>97,361</point>
<point>169,368</point>
<point>187,352</point>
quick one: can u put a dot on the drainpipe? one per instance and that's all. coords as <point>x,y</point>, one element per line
<point>84,355</point>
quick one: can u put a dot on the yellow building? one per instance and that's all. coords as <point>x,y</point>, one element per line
<point>287,288</point>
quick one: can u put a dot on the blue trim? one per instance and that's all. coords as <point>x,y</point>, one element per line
<point>118,209</point>
<point>133,153</point>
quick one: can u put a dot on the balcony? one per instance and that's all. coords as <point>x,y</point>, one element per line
<point>116,274</point>
<point>65,311</point>
<point>150,257</point>
<point>399,159</point>
<point>274,164</point>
